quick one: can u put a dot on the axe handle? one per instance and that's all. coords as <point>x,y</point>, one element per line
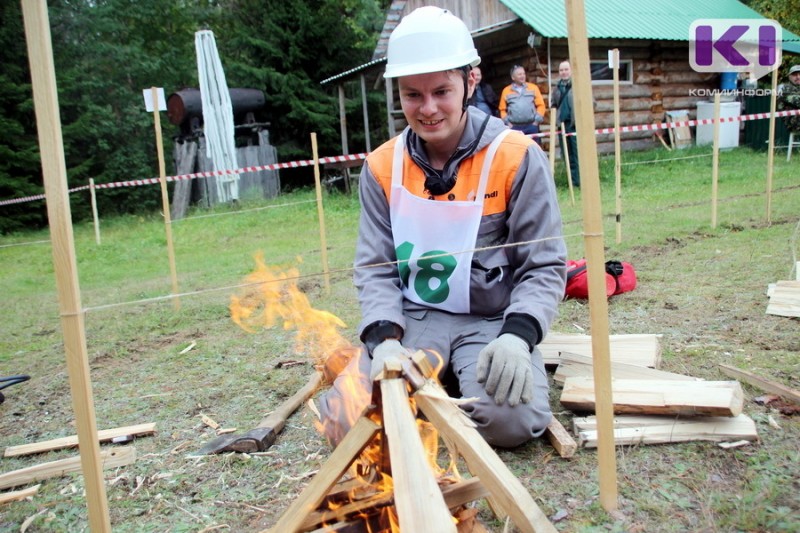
<point>277,419</point>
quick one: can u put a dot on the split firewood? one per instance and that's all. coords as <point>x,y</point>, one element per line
<point>761,383</point>
<point>112,458</point>
<point>784,299</point>
<point>577,365</point>
<point>104,435</point>
<point>659,397</point>
<point>562,441</point>
<point>632,430</point>
<point>17,495</point>
<point>210,422</point>
<point>640,350</point>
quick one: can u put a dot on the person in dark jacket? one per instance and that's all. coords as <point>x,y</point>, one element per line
<point>563,102</point>
<point>484,97</point>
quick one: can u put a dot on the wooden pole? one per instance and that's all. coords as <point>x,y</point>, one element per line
<point>321,215</point>
<point>95,218</point>
<point>162,173</point>
<point>48,124</point>
<point>617,148</point>
<point>715,164</point>
<point>595,255</point>
<point>365,112</point>
<point>566,162</point>
<point>771,149</point>
<point>553,130</point>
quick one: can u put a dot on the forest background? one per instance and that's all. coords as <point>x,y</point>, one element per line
<point>107,51</point>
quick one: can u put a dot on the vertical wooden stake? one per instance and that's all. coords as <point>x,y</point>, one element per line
<point>771,149</point>
<point>321,215</point>
<point>566,161</point>
<point>617,148</point>
<point>553,130</point>
<point>165,200</point>
<point>48,124</point>
<point>95,218</point>
<point>715,164</point>
<point>595,254</point>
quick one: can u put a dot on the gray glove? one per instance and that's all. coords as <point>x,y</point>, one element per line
<point>504,365</point>
<point>388,349</point>
<point>537,118</point>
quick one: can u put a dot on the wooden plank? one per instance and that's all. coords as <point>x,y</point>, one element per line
<point>577,365</point>
<point>659,397</point>
<point>418,500</point>
<point>17,495</point>
<point>632,430</point>
<point>507,490</point>
<point>784,299</point>
<point>761,383</point>
<point>111,458</point>
<point>633,349</point>
<point>340,460</point>
<point>103,435</point>
<point>562,441</point>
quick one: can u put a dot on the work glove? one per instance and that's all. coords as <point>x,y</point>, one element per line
<point>504,365</point>
<point>388,349</point>
<point>537,118</point>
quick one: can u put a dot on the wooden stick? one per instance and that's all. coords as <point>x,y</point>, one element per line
<point>634,349</point>
<point>419,502</point>
<point>553,129</point>
<point>509,494</point>
<point>771,143</point>
<point>95,218</point>
<point>104,435</point>
<point>617,148</point>
<point>566,162</point>
<point>594,247</point>
<point>321,215</point>
<point>173,270</point>
<point>715,164</point>
<point>762,383</point>
<point>340,460</point>
<point>659,397</point>
<point>632,430</point>
<point>562,441</point>
<point>111,458</point>
<point>48,125</point>
<point>17,495</point>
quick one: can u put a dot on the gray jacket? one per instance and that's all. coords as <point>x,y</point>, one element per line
<point>524,280</point>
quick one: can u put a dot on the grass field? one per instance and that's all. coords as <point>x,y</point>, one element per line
<point>702,288</point>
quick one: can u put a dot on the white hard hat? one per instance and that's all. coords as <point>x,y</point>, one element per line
<point>429,39</point>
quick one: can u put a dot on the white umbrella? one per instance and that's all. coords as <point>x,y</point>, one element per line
<point>217,115</point>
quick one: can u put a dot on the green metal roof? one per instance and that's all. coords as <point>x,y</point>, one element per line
<point>632,19</point>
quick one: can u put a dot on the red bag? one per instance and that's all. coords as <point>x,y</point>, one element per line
<point>620,277</point>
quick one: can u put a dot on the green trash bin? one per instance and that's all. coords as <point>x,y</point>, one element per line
<point>756,132</point>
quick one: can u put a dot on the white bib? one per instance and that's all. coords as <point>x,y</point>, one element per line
<point>434,240</point>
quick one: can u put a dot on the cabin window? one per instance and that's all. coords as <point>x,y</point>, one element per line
<point>602,74</point>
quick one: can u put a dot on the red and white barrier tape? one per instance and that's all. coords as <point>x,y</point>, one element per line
<point>357,157</point>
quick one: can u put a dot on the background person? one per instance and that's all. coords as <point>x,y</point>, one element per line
<point>789,98</point>
<point>426,194</point>
<point>483,97</point>
<point>521,104</point>
<point>562,100</point>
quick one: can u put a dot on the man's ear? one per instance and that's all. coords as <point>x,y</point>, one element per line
<point>471,83</point>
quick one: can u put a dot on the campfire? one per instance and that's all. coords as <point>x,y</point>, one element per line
<point>384,475</point>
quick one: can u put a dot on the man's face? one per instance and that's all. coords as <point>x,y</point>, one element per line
<point>564,71</point>
<point>518,75</point>
<point>795,77</point>
<point>432,105</point>
<point>478,74</point>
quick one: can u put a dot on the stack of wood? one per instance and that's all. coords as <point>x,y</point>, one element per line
<point>650,405</point>
<point>784,296</point>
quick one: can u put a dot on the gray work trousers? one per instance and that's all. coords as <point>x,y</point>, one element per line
<point>458,339</point>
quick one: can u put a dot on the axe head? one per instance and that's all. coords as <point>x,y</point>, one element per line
<point>255,440</point>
